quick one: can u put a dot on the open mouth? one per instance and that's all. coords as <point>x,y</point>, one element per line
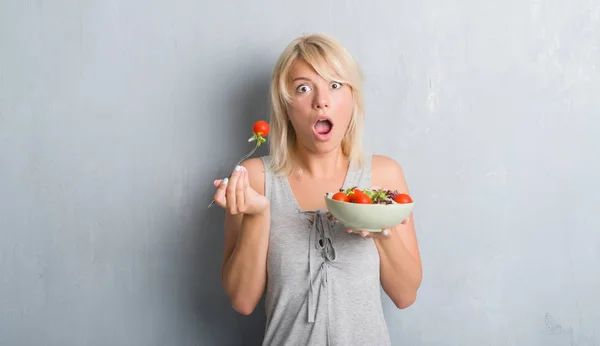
<point>323,126</point>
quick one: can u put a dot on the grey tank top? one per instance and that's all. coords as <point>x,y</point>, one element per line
<point>323,284</point>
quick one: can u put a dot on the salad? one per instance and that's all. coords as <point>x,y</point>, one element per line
<point>371,196</point>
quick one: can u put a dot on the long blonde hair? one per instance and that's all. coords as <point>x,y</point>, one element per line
<point>317,50</point>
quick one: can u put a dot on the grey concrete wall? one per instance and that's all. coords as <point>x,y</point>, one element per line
<point>107,160</point>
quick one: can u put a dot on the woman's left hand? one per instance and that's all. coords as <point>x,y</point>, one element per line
<point>386,232</point>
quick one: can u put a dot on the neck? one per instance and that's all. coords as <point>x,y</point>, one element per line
<point>320,166</point>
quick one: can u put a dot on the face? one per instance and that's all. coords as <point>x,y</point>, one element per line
<point>320,111</point>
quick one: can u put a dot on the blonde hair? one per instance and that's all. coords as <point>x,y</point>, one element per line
<point>317,50</point>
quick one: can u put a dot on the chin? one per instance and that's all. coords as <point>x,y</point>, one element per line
<point>326,147</point>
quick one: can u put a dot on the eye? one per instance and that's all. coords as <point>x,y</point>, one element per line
<point>303,88</point>
<point>336,85</point>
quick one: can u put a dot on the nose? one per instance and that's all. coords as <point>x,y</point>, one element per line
<point>322,99</point>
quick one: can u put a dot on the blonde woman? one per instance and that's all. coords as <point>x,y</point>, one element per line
<point>322,282</point>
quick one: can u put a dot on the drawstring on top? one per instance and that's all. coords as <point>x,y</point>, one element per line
<point>321,237</point>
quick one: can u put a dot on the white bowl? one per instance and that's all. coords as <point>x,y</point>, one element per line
<point>368,217</point>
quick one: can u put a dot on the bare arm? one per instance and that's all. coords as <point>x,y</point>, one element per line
<point>246,243</point>
<point>400,261</point>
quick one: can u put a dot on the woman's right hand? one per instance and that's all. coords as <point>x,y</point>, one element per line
<point>237,196</point>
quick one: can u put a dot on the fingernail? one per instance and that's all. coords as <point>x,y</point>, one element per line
<point>386,233</point>
<point>238,168</point>
<point>225,181</point>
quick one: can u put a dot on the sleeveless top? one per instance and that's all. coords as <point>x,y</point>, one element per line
<point>323,284</point>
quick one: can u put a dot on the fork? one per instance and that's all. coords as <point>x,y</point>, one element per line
<point>240,161</point>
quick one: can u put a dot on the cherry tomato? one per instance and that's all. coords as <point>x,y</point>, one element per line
<point>362,198</point>
<point>403,198</point>
<point>352,195</point>
<point>340,196</point>
<point>262,128</point>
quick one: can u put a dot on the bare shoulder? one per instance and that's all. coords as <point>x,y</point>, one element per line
<point>256,174</point>
<point>387,173</point>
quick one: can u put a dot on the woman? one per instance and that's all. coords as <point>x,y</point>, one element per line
<point>322,281</point>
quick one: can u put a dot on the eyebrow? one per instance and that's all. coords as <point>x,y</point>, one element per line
<point>301,78</point>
